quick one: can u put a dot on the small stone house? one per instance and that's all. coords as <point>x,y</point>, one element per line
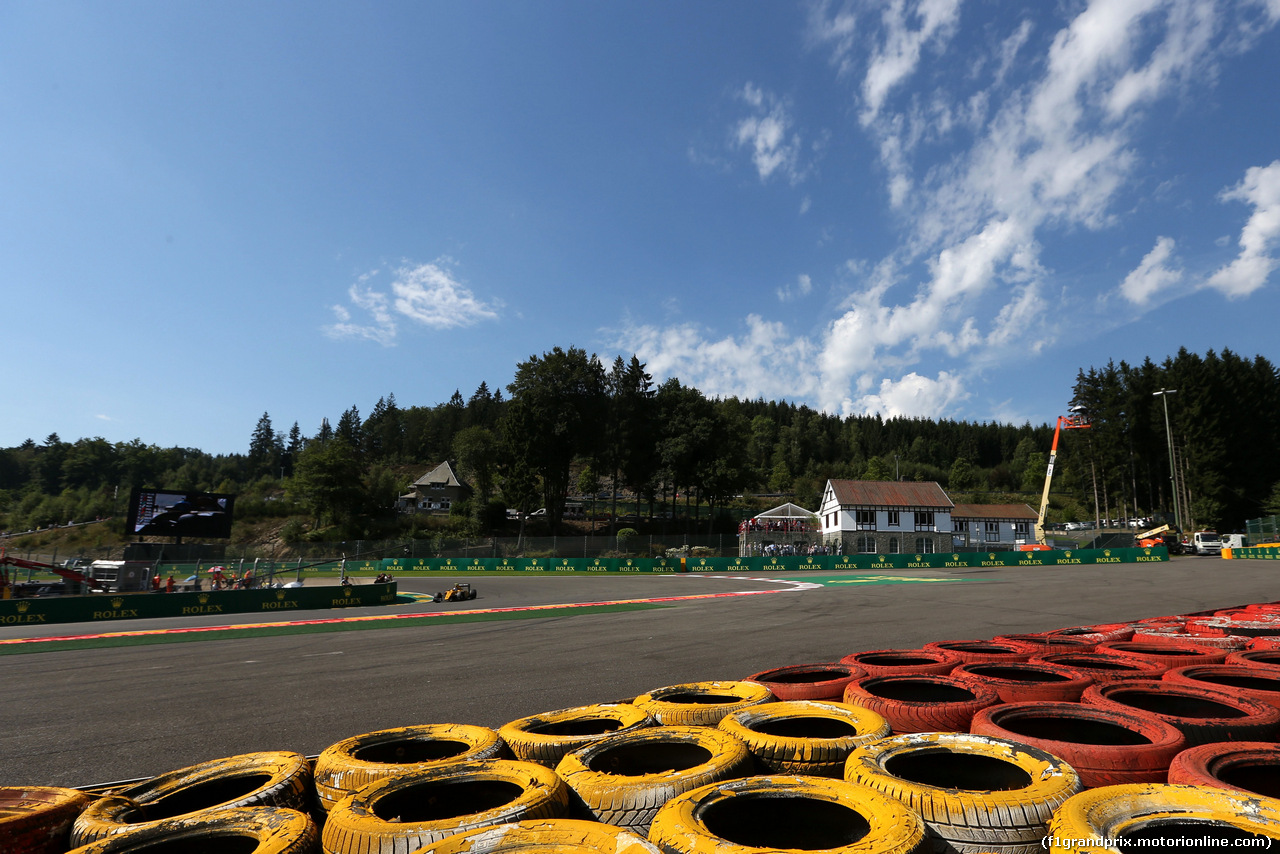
<point>885,517</point>
<point>989,525</point>
<point>434,492</point>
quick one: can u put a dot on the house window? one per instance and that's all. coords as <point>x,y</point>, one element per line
<point>1021,529</point>
<point>961,526</point>
<point>924,545</point>
<point>865,519</point>
<point>866,544</point>
<point>893,519</point>
<point>992,530</point>
<point>924,520</point>
<point>894,546</point>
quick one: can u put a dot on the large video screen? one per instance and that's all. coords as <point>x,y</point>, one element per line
<point>170,513</point>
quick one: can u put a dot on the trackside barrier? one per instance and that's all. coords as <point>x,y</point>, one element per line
<point>810,563</point>
<point>1253,553</point>
<point>128,606</point>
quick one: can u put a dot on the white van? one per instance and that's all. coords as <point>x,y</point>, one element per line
<point>1206,543</point>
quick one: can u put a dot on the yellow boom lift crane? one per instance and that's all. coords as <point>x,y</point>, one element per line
<point>1076,421</point>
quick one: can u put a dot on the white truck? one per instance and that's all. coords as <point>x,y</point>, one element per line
<point>1206,543</point>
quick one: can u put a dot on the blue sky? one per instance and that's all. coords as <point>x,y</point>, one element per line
<point>942,208</point>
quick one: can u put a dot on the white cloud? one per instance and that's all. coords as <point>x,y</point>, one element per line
<point>1154,275</point>
<point>897,57</point>
<point>911,396</point>
<point>426,294</point>
<point>802,287</point>
<point>767,133</point>
<point>1261,234</point>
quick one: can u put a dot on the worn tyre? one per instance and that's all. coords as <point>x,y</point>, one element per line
<point>1104,746</point>
<point>923,703</point>
<point>1202,714</point>
<point>1166,655</point>
<point>267,779</point>
<point>354,763</point>
<point>902,662</point>
<point>973,651</point>
<point>1048,642</point>
<point>623,779</point>
<point>550,836</point>
<point>785,813</point>
<point>804,737</point>
<point>974,792</point>
<point>701,703</point>
<point>1256,682</point>
<point>808,681</point>
<point>38,818</point>
<point>269,829</point>
<point>410,810</point>
<point>1248,766</point>
<point>1022,682</point>
<point>1103,666</point>
<point>1260,658</point>
<point>1141,814</point>
<point>547,737</point>
<point>1096,634</point>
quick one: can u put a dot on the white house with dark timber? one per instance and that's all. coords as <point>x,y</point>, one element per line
<point>988,525</point>
<point>885,517</point>
<point>434,492</point>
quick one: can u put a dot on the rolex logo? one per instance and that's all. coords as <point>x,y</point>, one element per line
<point>991,556</point>
<point>881,558</point>
<point>918,558</point>
<point>1107,552</point>
<point>1146,551</point>
<point>346,591</point>
<point>117,602</point>
<point>203,598</point>
<point>280,595</point>
<point>23,606</point>
<point>955,557</point>
<point>1068,554</point>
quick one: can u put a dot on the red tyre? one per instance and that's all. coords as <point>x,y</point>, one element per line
<point>1215,641</point>
<point>1105,746</point>
<point>1203,715</point>
<point>901,662</point>
<point>1103,666</point>
<point>1259,658</point>
<point>1255,682</point>
<point>38,819</point>
<point>1249,766</point>
<point>922,702</point>
<point>1023,681</point>
<point>1043,644</point>
<point>1096,634</point>
<point>808,681</point>
<point>973,651</point>
<point>1271,642</point>
<point>1168,655</point>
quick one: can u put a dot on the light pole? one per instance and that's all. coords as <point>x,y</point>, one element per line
<point>1163,394</point>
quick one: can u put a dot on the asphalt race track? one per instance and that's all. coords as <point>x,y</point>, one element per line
<point>85,716</point>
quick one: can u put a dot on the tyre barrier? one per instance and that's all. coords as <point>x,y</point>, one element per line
<point>1043,644</point>
<point>804,737</point>
<point>1106,747</point>
<point>701,703</point>
<point>974,651</point>
<point>1103,666</point>
<point>266,779</point>
<point>902,662</point>
<point>550,836</point>
<point>38,819</point>
<point>1026,681</point>
<point>1167,655</point>
<point>547,737</point>
<point>269,829</point>
<point>1096,634</point>
<point>1198,638</point>
<point>922,703</point>
<point>1202,714</point>
<point>410,810</point>
<point>784,813</point>
<point>353,763</point>
<point>1258,683</point>
<point>1259,658</point>
<point>1247,766</point>
<point>1144,815</point>
<point>974,792</point>
<point>624,779</point>
<point>808,681</point>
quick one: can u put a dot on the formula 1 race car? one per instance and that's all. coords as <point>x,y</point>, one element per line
<point>460,592</point>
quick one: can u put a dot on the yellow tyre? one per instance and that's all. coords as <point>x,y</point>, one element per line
<point>410,810</point>
<point>354,763</point>
<point>268,779</point>
<point>701,703</point>
<point>1140,814</point>
<point>553,836</point>
<point>974,792</point>
<point>37,819</point>
<point>547,737</point>
<point>623,779</point>
<point>774,814</point>
<point>804,736</point>
<point>267,829</point>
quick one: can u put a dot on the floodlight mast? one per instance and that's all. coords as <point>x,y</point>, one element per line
<point>1076,421</point>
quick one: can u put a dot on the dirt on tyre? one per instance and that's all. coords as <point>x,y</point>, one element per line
<point>902,662</point>
<point>549,836</point>
<point>266,779</point>
<point>808,681</point>
<point>787,813</point>
<point>804,737</point>
<point>1103,666</point>
<point>1246,766</point>
<point>973,651</point>
<point>268,830</point>
<point>411,810</point>
<point>38,818</point>
<point>1256,682</point>
<point>974,792</point>
<point>545,738</point>
<point>624,779</point>
<point>701,703</point>
<point>922,703</point>
<point>353,763</point>
<point>1202,714</point>
<point>1024,681</point>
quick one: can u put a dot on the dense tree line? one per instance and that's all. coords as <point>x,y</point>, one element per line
<point>570,424</point>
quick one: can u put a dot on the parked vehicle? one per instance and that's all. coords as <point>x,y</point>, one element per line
<point>1206,542</point>
<point>1235,541</point>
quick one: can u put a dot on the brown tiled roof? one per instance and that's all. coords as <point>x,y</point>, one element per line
<point>889,493</point>
<point>993,511</point>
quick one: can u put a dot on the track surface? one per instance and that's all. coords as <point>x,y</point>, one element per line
<point>81,717</point>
